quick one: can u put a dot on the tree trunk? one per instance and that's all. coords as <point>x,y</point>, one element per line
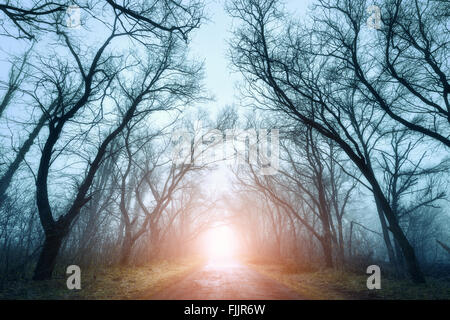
<point>341,251</point>
<point>407,250</point>
<point>350,252</point>
<point>325,219</point>
<point>327,252</point>
<point>409,255</point>
<point>125,253</point>
<point>399,257</point>
<point>387,239</point>
<point>47,259</point>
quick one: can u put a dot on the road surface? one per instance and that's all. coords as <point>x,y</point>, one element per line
<point>230,281</point>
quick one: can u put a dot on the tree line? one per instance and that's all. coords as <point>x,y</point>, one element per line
<point>87,115</point>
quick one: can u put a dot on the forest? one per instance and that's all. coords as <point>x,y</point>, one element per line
<point>116,156</point>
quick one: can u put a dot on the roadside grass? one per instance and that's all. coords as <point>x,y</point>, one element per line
<point>109,283</point>
<point>342,285</point>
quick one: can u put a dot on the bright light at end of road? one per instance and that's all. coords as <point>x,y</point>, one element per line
<point>221,243</point>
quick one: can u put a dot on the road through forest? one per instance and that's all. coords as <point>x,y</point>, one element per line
<point>229,281</point>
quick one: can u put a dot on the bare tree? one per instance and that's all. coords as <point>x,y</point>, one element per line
<point>292,75</point>
<point>31,18</point>
<point>156,88</point>
<point>181,18</point>
<point>404,179</point>
<point>414,46</point>
<point>152,172</point>
<point>17,75</point>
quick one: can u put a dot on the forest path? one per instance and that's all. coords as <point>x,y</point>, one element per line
<point>226,281</point>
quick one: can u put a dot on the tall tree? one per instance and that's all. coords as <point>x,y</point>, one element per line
<point>163,76</point>
<point>293,75</point>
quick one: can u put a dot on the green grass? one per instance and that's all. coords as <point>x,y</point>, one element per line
<point>341,285</point>
<point>110,283</point>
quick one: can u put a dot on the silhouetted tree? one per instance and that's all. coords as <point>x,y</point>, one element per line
<point>295,73</point>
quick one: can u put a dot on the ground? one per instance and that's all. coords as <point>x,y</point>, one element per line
<point>226,281</point>
<point>103,283</point>
<point>210,280</point>
<point>340,285</point>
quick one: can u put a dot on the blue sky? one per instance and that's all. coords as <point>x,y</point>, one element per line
<point>209,43</point>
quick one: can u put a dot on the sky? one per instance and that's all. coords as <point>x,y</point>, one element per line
<point>209,44</point>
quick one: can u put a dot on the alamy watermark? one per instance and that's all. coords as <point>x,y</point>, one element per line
<point>374,20</point>
<point>374,281</point>
<point>73,18</point>
<point>259,148</point>
<point>74,280</point>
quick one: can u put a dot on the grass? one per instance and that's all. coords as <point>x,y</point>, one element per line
<point>116,283</point>
<point>113,283</point>
<point>342,285</point>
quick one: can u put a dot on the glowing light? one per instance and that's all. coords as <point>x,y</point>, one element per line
<point>221,244</point>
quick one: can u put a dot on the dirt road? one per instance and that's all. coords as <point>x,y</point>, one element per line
<point>230,281</point>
